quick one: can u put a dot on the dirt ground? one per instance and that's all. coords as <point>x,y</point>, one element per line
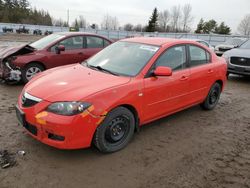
<point>191,149</point>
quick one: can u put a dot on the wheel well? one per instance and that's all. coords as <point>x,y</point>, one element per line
<point>220,82</point>
<point>36,62</point>
<point>135,113</point>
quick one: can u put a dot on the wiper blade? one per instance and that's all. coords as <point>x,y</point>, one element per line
<point>102,69</point>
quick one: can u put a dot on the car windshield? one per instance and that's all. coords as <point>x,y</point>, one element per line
<point>42,43</point>
<point>245,45</point>
<point>123,58</point>
<point>235,42</point>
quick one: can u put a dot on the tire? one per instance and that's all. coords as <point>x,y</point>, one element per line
<point>212,97</point>
<point>31,70</point>
<point>115,131</point>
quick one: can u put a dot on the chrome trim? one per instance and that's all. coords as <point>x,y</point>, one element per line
<point>28,96</point>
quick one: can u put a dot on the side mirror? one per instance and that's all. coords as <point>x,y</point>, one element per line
<point>163,71</point>
<point>59,49</point>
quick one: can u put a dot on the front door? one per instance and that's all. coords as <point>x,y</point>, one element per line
<point>166,94</point>
<point>74,52</point>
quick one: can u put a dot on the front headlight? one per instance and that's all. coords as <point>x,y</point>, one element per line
<point>68,108</point>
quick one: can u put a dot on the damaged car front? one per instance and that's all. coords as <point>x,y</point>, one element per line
<point>9,71</point>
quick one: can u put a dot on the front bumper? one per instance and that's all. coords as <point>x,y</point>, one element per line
<point>63,132</point>
<point>8,72</point>
<point>240,70</point>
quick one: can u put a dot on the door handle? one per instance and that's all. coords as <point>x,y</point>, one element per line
<point>80,53</point>
<point>183,78</point>
<point>210,71</point>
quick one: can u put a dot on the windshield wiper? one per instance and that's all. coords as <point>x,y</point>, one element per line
<point>102,69</point>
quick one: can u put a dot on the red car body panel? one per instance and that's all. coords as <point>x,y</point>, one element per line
<point>149,97</point>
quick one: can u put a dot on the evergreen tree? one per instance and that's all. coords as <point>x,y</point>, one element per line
<point>200,26</point>
<point>152,23</point>
<point>223,29</point>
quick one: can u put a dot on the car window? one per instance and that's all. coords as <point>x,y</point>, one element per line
<point>70,43</point>
<point>106,43</point>
<point>198,56</point>
<point>174,58</point>
<point>94,42</point>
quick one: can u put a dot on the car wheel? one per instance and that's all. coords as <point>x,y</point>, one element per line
<point>30,71</point>
<point>115,131</point>
<point>212,98</point>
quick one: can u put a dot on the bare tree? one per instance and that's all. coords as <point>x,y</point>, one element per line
<point>186,17</point>
<point>176,18</point>
<point>110,22</point>
<point>128,27</point>
<point>138,28</point>
<point>164,18</point>
<point>82,22</point>
<point>244,26</point>
<point>57,22</point>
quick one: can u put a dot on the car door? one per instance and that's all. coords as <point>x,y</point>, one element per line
<point>201,73</point>
<point>166,94</point>
<point>74,52</point>
<point>94,44</point>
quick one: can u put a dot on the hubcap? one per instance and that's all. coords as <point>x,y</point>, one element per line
<point>32,71</point>
<point>117,129</point>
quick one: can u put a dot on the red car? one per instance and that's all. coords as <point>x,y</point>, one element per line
<point>105,99</point>
<point>54,50</point>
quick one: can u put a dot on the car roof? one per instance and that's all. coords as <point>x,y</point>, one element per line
<point>78,33</point>
<point>156,41</point>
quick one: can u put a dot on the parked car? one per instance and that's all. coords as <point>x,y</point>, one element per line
<point>58,49</point>
<point>105,99</point>
<point>48,32</point>
<point>228,45</point>
<point>37,32</point>
<point>6,30</point>
<point>238,60</point>
<point>22,30</point>
<point>204,43</point>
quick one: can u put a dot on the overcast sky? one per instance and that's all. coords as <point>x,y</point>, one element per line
<point>139,11</point>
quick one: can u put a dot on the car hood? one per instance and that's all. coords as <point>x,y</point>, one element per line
<point>237,52</point>
<point>71,83</point>
<point>7,51</point>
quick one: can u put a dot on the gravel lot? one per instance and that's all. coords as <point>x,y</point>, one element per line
<point>191,149</point>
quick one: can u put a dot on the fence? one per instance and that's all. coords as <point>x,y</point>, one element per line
<point>213,39</point>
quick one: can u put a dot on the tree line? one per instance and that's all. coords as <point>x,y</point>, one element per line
<point>176,19</point>
<point>19,11</point>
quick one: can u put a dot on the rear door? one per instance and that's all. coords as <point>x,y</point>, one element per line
<point>201,73</point>
<point>166,94</point>
<point>94,44</point>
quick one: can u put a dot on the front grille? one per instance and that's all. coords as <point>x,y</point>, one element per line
<point>240,61</point>
<point>31,128</point>
<point>223,49</point>
<point>28,102</point>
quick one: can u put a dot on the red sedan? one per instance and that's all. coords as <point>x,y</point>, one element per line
<point>105,99</point>
<point>54,50</point>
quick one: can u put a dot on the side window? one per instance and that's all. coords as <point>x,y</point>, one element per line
<point>204,43</point>
<point>106,43</point>
<point>198,56</point>
<point>94,42</point>
<point>175,58</point>
<point>70,43</point>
